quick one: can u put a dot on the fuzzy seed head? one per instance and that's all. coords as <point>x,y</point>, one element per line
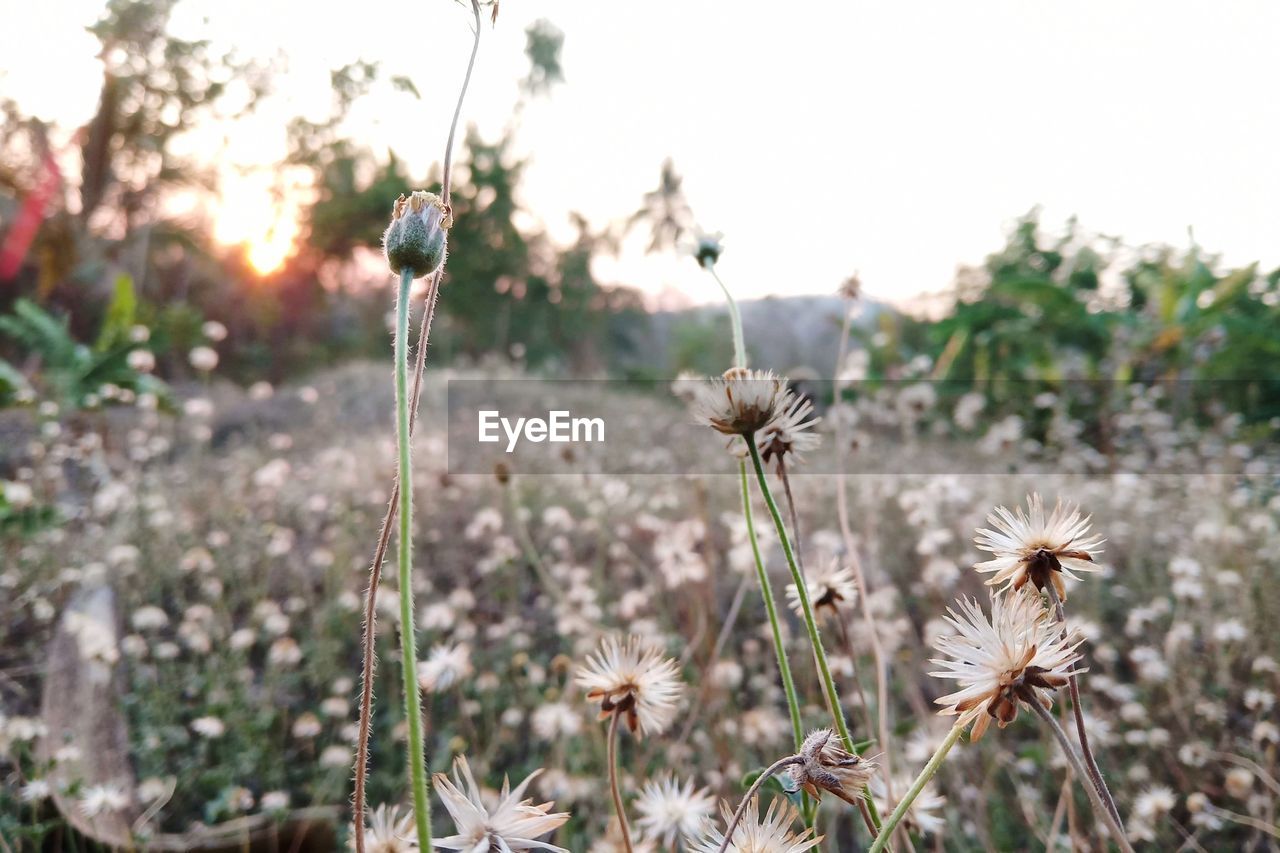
<point>1038,547</point>
<point>826,766</point>
<point>1018,656</point>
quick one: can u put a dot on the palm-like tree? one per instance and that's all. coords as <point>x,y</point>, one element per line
<point>665,209</point>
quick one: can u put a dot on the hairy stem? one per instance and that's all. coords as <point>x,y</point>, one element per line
<point>612,748</point>
<point>1095,798</point>
<point>806,607</point>
<point>375,578</point>
<point>1077,709</point>
<point>408,636</point>
<point>384,533</point>
<point>929,771</point>
<point>751,792</point>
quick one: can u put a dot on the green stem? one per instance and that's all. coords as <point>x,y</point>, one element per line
<point>802,588</point>
<point>771,607</point>
<point>408,636</point>
<point>900,811</point>
<point>806,606</point>
<point>735,317</point>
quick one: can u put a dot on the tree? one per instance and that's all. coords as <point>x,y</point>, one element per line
<point>665,210</point>
<point>154,88</point>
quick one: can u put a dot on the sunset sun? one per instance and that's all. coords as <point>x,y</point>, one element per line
<point>247,215</point>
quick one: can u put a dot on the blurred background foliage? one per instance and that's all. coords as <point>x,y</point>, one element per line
<point>1044,307</point>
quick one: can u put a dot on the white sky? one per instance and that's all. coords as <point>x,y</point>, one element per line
<point>897,138</point>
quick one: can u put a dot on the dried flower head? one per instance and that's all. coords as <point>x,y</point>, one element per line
<point>1034,547</point>
<point>790,430</point>
<point>635,680</point>
<point>740,402</point>
<point>771,834</point>
<point>388,831</point>
<point>514,824</point>
<point>1017,657</point>
<point>826,766</point>
<point>707,248</point>
<point>670,809</point>
<point>851,287</point>
<point>830,585</point>
<point>418,233</point>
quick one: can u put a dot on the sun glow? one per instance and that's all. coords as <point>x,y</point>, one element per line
<point>250,215</point>
<point>268,253</point>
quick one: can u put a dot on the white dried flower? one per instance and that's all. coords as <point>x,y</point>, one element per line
<point>670,809</point>
<point>1030,546</point>
<point>514,824</point>
<point>1018,656</point>
<point>633,679</point>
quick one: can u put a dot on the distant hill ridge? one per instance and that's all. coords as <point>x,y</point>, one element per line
<point>782,332</point>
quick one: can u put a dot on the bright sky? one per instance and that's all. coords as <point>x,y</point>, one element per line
<point>896,138</point>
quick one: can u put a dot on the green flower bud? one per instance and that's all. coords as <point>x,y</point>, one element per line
<point>418,234</point>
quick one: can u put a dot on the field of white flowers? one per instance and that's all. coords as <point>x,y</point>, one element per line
<point>207,569</point>
<point>883,613</point>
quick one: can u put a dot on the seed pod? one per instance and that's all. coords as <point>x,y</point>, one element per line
<point>417,237</point>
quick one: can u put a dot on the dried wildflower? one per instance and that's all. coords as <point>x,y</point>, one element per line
<point>1017,657</point>
<point>103,799</point>
<point>826,766</point>
<point>635,680</point>
<point>388,831</point>
<point>771,834</point>
<point>36,790</point>
<point>790,430</point>
<point>851,287</point>
<point>830,585</point>
<point>670,809</point>
<point>209,727</point>
<point>445,666</point>
<point>1032,547</point>
<point>740,402</point>
<point>1154,803</point>
<point>416,238</point>
<point>514,824</point>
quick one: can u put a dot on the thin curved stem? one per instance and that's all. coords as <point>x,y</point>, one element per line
<point>735,317</point>
<point>846,533</point>
<point>408,636</point>
<point>751,792</point>
<point>802,589</point>
<point>791,510</point>
<point>929,771</point>
<point>446,181</point>
<point>722,639</point>
<point>1095,798</point>
<point>806,607</point>
<point>771,608</point>
<point>1077,709</point>
<point>612,749</point>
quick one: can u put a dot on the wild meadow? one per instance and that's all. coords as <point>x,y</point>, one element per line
<point>999,577</point>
